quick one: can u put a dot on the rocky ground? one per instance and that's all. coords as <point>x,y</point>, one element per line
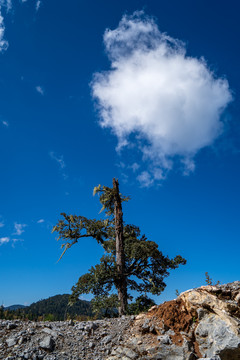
<point>61,340</point>
<point>200,323</point>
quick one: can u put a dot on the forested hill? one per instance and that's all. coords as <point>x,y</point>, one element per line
<point>54,308</point>
<point>58,306</point>
<point>15,307</point>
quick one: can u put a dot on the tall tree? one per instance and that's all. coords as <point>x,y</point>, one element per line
<point>130,261</point>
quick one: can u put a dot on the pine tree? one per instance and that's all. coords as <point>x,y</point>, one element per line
<point>131,262</point>
<point>1,312</point>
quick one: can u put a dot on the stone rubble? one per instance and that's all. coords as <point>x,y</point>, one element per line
<point>202,323</point>
<point>63,340</point>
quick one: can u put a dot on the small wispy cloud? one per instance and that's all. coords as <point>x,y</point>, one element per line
<point>40,90</point>
<point>5,123</point>
<point>3,42</point>
<point>41,221</point>
<point>2,224</point>
<point>145,179</point>
<point>125,168</point>
<point>7,4</point>
<point>12,240</point>
<point>134,167</point>
<point>19,228</point>
<point>58,159</point>
<point>61,163</point>
<point>4,240</point>
<point>38,4</point>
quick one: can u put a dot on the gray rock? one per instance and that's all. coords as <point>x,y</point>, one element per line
<point>173,353</point>
<point>164,339</point>
<point>11,326</point>
<point>192,356</point>
<point>146,327</point>
<point>11,341</point>
<point>214,337</point>
<point>123,353</point>
<point>152,329</point>
<point>201,313</point>
<point>50,332</point>
<point>31,331</point>
<point>215,357</point>
<point>170,332</point>
<point>21,340</point>
<point>120,338</point>
<point>107,339</point>
<point>47,343</point>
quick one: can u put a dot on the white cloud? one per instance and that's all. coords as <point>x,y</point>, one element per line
<point>19,228</point>
<point>156,99</point>
<point>3,43</point>
<point>38,4</point>
<point>4,240</point>
<point>40,221</point>
<point>2,224</point>
<point>134,167</point>
<point>57,158</point>
<point>61,163</point>
<point>5,123</point>
<point>16,240</point>
<point>7,4</point>
<point>40,90</point>
<point>145,179</point>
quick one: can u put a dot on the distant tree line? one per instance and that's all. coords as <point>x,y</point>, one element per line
<point>56,308</point>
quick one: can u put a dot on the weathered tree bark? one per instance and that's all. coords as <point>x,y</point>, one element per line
<point>120,256</point>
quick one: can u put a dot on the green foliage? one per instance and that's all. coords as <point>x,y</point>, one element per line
<point>106,197</point>
<point>209,281</point>
<point>49,317</point>
<point>72,228</point>
<point>1,312</point>
<point>145,267</point>
<point>105,306</point>
<point>142,304</point>
<point>177,292</point>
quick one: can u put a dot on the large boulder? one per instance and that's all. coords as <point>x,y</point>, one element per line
<point>217,329</point>
<point>200,323</point>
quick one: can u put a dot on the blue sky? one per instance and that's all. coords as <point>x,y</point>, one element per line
<point>147,92</point>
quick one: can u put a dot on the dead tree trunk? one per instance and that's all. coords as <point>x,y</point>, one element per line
<point>120,256</point>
